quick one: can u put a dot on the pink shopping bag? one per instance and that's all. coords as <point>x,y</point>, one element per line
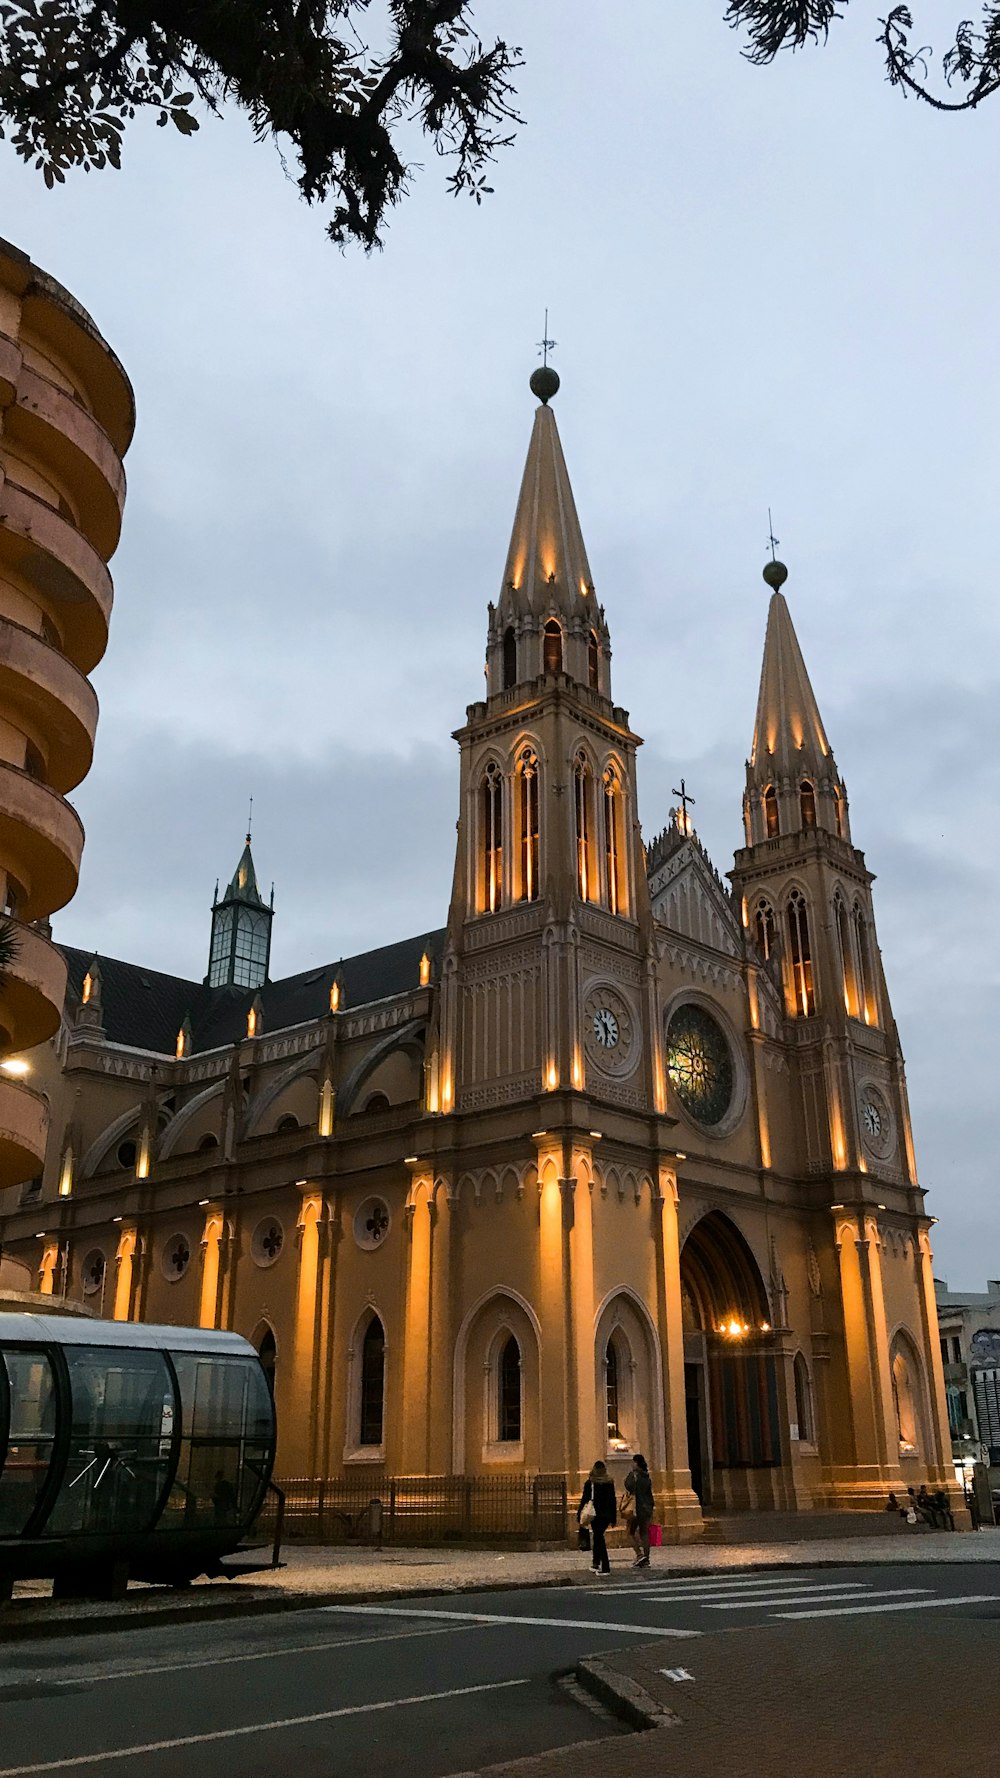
<point>655,1536</point>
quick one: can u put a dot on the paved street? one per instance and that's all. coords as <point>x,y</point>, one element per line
<point>438,1685</point>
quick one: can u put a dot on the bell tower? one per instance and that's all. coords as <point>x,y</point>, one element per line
<point>241,930</point>
<point>545,983</point>
<point>806,902</point>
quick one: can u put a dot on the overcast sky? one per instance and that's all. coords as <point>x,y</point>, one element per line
<point>768,287</point>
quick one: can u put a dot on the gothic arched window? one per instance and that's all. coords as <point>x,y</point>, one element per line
<point>509,659</point>
<point>613,1387</point>
<point>869,999</point>
<point>552,658</point>
<point>852,1002</point>
<point>807,803</point>
<point>593,662</point>
<point>771,825</point>
<point>800,955</point>
<point>526,782</point>
<point>372,1402</point>
<point>583,792</point>
<point>509,1393</point>
<point>491,839</point>
<point>803,1400</point>
<point>763,920</point>
<point>614,844</point>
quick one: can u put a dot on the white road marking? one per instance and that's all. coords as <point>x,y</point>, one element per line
<point>524,1623</point>
<point>905,1605</point>
<point>807,1598</point>
<point>763,1589</point>
<point>239,1660</point>
<point>254,1728</point>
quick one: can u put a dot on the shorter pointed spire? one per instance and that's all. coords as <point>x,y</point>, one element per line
<point>788,733</point>
<point>547,566</point>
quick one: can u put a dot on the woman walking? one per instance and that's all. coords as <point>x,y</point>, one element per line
<point>597,1510</point>
<point>639,1499</point>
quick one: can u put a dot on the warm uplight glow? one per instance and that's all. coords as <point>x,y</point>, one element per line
<point>425,970</point>
<point>734,1329</point>
<point>551,1078</point>
<point>16,1066</point>
<point>334,996</point>
<point>577,1067</point>
<point>325,1120</point>
<point>66,1176</point>
<point>252,1022</point>
<point>181,1045</point>
<point>765,1327</point>
<point>745,911</point>
<point>88,987</point>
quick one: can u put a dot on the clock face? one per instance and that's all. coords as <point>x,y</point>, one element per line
<point>872,1118</point>
<point>700,1065</point>
<point>610,1031</point>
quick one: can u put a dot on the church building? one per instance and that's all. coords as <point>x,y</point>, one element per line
<point>618,1159</point>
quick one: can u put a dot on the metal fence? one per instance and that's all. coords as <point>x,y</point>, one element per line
<point>421,1509</point>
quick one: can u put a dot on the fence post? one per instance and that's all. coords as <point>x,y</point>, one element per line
<point>392,1512</point>
<point>535,1529</point>
<point>375,1523</point>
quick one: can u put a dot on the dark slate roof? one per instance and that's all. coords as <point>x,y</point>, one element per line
<point>144,1009</point>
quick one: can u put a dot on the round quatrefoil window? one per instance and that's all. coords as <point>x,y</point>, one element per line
<point>700,1064</point>
<point>267,1241</point>
<point>176,1258</point>
<point>371,1224</point>
<point>94,1267</point>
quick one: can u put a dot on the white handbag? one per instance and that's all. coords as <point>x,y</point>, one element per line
<point>588,1513</point>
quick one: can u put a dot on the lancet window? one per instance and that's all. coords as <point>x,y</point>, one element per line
<point>807,803</point>
<point>583,792</point>
<point>509,1393</point>
<point>869,998</point>
<point>491,839</point>
<point>852,1001</point>
<point>593,662</point>
<point>771,823</point>
<point>552,658</point>
<point>372,1402</point>
<point>838,810</point>
<point>613,1387</point>
<point>526,789</point>
<point>764,930</point>
<point>509,658</point>
<point>614,844</point>
<point>800,955</point>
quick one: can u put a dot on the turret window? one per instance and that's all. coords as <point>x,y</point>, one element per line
<point>807,803</point>
<point>553,647</point>
<point>852,1003</point>
<point>526,783</point>
<point>764,927</point>
<point>869,999</point>
<point>509,659</point>
<point>586,866</point>
<point>771,826</point>
<point>491,839</point>
<point>593,663</point>
<point>838,810</point>
<point>800,956</point>
<point>614,846</point>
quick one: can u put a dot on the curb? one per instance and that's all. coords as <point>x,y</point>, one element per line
<point>267,1604</point>
<point>624,1697</point>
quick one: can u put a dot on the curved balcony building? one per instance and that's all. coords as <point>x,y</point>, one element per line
<point>66,421</point>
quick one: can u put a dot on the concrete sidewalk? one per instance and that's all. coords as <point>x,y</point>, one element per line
<point>320,1575</point>
<point>865,1701</point>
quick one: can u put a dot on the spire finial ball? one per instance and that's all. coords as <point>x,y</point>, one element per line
<point>775,574</point>
<point>544,383</point>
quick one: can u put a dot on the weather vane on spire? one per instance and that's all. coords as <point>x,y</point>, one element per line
<point>545,345</point>
<point>772,540</point>
<point>775,572</point>
<point>250,821</point>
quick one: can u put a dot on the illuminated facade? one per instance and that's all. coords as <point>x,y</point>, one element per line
<point>619,1158</point>
<point>66,419</point>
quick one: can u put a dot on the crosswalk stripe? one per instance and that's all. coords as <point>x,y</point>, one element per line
<point>902,1605</point>
<point>665,1589</point>
<point>497,1617</point>
<point>807,1599</point>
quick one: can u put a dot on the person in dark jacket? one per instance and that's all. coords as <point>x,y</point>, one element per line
<point>599,1493</point>
<point>639,1494</point>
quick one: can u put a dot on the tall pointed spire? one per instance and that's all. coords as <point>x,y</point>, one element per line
<point>792,777</point>
<point>547,579</point>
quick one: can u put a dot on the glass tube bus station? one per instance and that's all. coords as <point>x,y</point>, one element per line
<point>126,1450</point>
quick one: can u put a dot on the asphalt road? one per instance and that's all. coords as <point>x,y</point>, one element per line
<point>418,1688</point>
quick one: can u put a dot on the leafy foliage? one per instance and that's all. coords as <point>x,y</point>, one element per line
<point>10,945</point>
<point>73,73</point>
<point>973,59</point>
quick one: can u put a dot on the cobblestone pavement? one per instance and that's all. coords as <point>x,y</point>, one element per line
<point>312,1574</point>
<point>865,1701</point>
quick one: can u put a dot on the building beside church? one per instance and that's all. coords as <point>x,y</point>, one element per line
<point>619,1158</point>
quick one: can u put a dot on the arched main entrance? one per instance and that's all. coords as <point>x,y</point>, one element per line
<point>730,1372</point>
